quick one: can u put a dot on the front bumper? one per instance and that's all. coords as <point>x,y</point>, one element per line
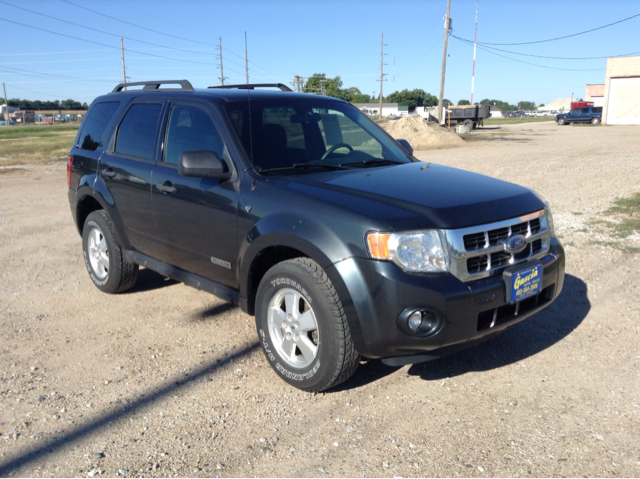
<point>375,294</point>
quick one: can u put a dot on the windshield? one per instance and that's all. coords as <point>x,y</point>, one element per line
<point>310,135</point>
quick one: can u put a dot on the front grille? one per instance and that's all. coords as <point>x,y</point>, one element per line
<point>478,251</point>
<point>508,312</point>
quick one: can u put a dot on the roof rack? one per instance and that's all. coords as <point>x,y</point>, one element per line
<point>185,85</point>
<point>252,86</point>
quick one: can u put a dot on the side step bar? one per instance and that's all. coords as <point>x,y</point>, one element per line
<point>221,291</point>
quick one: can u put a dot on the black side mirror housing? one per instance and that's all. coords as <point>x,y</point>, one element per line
<point>406,146</point>
<point>203,164</point>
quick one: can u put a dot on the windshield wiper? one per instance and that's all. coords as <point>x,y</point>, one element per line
<point>374,162</point>
<point>304,166</point>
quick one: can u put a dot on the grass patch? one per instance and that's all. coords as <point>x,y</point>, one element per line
<point>4,171</point>
<point>37,130</point>
<point>509,121</point>
<point>38,150</point>
<point>627,213</point>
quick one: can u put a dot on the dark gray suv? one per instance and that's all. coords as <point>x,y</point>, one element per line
<point>306,214</point>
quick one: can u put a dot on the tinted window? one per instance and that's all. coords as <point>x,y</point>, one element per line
<point>288,133</point>
<point>94,132</point>
<point>191,129</point>
<point>597,109</point>
<point>585,110</point>
<point>137,132</point>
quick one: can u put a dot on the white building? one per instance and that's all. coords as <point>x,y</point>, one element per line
<point>622,92</point>
<point>371,109</point>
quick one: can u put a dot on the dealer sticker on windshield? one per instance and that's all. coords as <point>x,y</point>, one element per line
<point>523,283</point>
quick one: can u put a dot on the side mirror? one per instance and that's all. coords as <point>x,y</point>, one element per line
<point>203,164</point>
<point>406,146</point>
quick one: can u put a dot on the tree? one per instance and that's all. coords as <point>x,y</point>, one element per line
<point>464,102</point>
<point>332,86</point>
<point>503,105</point>
<point>526,105</point>
<point>412,99</point>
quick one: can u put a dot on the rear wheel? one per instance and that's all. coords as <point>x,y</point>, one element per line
<point>302,326</point>
<point>107,268</point>
<point>595,120</point>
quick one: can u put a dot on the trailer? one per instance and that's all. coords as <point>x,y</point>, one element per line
<point>470,115</point>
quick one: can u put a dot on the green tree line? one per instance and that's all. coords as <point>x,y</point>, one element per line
<point>46,105</point>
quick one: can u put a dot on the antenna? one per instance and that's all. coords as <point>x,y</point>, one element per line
<point>475,41</point>
<point>382,74</point>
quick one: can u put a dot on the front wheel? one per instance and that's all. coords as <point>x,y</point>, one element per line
<point>562,121</point>
<point>302,326</point>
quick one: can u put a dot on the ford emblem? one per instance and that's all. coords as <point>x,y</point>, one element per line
<point>515,244</point>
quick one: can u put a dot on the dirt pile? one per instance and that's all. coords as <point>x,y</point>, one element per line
<point>421,135</point>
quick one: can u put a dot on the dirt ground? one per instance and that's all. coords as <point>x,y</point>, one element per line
<point>169,381</point>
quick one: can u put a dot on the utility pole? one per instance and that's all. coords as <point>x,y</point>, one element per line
<point>246,61</point>
<point>222,78</point>
<point>447,30</point>
<point>6,106</point>
<point>382,45</point>
<point>124,71</point>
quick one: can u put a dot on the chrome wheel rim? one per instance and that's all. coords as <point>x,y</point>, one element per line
<point>98,253</point>
<point>293,328</point>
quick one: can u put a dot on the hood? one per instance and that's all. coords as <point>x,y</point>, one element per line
<point>417,195</point>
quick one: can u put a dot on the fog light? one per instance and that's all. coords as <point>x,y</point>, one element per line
<point>415,321</point>
<point>420,322</point>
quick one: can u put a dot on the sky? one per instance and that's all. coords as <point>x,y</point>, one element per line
<point>61,49</point>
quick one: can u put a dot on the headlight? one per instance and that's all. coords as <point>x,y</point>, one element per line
<point>417,252</point>
<point>547,209</point>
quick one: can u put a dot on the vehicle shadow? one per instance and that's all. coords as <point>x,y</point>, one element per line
<point>148,280</point>
<point>213,311</point>
<point>10,463</point>
<point>533,335</point>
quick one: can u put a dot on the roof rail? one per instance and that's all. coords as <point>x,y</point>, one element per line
<point>185,85</point>
<point>252,86</point>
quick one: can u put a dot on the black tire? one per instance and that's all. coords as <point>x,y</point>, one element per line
<point>335,358</point>
<point>107,268</point>
<point>562,121</point>
<point>595,120</point>
<point>468,123</point>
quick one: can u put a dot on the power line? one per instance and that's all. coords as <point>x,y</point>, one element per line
<point>99,31</point>
<point>560,38</point>
<point>137,26</point>
<point>102,44</point>
<point>51,53</point>
<point>41,93</point>
<point>535,64</point>
<point>548,57</point>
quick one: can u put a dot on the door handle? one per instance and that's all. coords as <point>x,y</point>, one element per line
<point>108,173</point>
<point>166,187</point>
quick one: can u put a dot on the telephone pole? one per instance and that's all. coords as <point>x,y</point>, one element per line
<point>382,74</point>
<point>447,31</point>
<point>6,106</point>
<point>124,71</point>
<point>246,61</point>
<point>222,78</point>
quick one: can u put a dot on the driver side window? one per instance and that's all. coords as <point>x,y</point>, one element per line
<point>190,129</point>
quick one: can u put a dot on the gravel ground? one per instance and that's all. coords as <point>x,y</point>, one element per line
<point>169,381</point>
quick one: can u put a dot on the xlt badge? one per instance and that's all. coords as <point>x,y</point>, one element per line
<point>219,262</point>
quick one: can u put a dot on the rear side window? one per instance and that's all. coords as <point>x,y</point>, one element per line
<point>94,128</point>
<point>137,132</point>
<point>597,109</point>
